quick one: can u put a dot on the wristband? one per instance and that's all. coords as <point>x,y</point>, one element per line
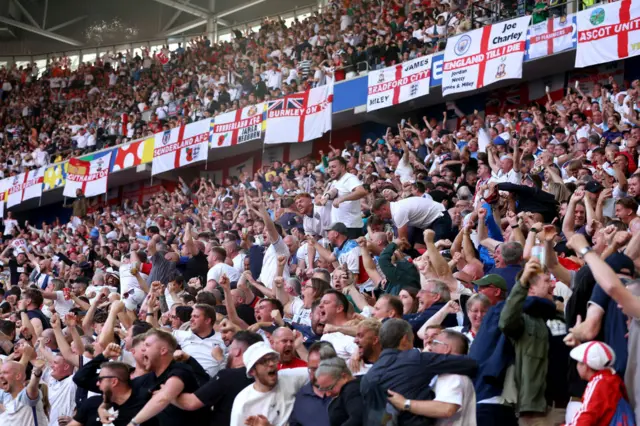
<point>515,226</point>
<point>149,313</point>
<point>534,230</point>
<point>38,375</point>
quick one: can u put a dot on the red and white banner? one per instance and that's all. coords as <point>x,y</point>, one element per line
<point>162,57</point>
<point>239,126</point>
<point>484,56</point>
<point>551,36</point>
<point>399,83</point>
<point>25,186</point>
<point>608,32</point>
<point>300,117</point>
<point>180,146</point>
<point>89,176</point>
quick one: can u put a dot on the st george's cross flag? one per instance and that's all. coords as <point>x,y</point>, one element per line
<point>398,83</point>
<point>180,146</point>
<point>608,33</point>
<point>554,35</point>
<point>239,126</point>
<point>25,186</point>
<point>300,117</point>
<point>89,174</point>
<point>484,56</point>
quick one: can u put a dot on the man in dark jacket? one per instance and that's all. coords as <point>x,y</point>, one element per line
<point>407,371</point>
<point>530,336</point>
<point>531,198</point>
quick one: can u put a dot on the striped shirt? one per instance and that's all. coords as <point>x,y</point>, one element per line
<point>304,68</point>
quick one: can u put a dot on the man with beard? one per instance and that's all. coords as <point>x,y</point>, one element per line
<point>219,393</point>
<point>117,393</point>
<point>311,405</point>
<point>272,395</point>
<point>369,347</point>
<point>282,341</point>
<point>311,334</point>
<point>166,380</point>
<point>200,340</point>
<point>22,404</point>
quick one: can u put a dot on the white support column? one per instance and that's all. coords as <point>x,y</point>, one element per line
<point>44,15</point>
<point>212,26</point>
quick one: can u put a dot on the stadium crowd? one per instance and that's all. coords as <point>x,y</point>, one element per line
<point>474,270</point>
<point>48,115</point>
<point>482,274</point>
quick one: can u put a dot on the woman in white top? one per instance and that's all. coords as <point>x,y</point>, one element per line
<point>477,307</point>
<point>298,308</point>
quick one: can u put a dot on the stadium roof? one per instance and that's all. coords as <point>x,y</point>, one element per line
<point>32,27</point>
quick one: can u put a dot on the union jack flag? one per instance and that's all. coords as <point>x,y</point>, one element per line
<point>289,102</point>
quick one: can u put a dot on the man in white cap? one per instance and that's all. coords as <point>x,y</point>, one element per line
<point>605,387</point>
<point>272,395</point>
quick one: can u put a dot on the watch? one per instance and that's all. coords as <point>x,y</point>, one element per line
<point>583,251</point>
<point>407,405</point>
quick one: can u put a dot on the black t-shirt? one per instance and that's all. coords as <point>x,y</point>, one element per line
<point>246,313</point>
<point>16,269</point>
<point>197,266</point>
<point>220,392</point>
<point>87,413</point>
<point>172,415</point>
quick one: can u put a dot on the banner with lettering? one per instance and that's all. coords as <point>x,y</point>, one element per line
<point>88,174</point>
<point>484,56</point>
<point>554,35</point>
<point>300,117</point>
<point>399,83</point>
<point>239,126</point>
<point>180,146</point>
<point>25,186</point>
<point>608,32</point>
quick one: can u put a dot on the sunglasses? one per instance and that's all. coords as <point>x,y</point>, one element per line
<point>101,378</point>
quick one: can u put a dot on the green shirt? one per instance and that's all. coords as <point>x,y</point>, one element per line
<point>540,15</point>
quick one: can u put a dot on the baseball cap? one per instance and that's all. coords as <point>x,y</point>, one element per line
<point>620,263</point>
<point>498,141</point>
<point>597,355</point>
<point>340,228</point>
<point>593,187</point>
<point>492,279</point>
<point>254,353</point>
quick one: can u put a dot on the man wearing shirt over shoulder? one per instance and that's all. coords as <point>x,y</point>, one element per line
<point>165,382</point>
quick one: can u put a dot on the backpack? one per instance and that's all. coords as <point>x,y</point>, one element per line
<point>624,415</point>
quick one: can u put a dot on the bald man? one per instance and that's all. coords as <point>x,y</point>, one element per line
<point>283,342</point>
<point>21,403</point>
